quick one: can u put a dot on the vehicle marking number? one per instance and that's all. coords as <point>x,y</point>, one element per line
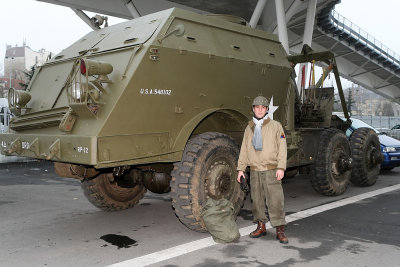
<point>145,91</point>
<point>82,149</point>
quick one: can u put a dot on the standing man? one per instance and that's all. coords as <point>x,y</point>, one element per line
<point>264,150</point>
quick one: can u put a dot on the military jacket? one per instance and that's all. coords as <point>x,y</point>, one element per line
<point>274,152</point>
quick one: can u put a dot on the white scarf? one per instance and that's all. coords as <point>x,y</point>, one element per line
<point>257,137</point>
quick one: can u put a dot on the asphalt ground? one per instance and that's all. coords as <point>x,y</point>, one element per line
<point>46,221</point>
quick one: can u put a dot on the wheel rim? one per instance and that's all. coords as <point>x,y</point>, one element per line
<point>218,182</point>
<point>340,163</point>
<point>372,158</point>
<point>117,192</point>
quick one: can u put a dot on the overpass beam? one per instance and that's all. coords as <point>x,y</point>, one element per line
<point>131,8</point>
<point>257,13</point>
<point>282,29</point>
<point>358,68</point>
<point>307,36</point>
<point>381,85</point>
<point>291,11</point>
<point>364,72</point>
<point>310,18</point>
<point>85,18</point>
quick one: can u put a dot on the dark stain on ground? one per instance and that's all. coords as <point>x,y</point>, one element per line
<point>120,241</point>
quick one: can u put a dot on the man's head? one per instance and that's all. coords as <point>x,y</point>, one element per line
<point>260,107</point>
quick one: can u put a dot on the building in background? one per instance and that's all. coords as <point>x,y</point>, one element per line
<point>17,61</point>
<point>366,103</point>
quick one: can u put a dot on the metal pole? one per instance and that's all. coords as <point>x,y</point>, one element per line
<point>309,27</point>
<point>257,13</point>
<point>307,36</point>
<point>282,29</point>
<point>291,11</point>
<point>85,18</point>
<point>5,116</point>
<point>11,61</point>
<point>131,8</point>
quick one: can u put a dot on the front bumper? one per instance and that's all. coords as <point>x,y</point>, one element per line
<point>391,159</point>
<point>64,148</point>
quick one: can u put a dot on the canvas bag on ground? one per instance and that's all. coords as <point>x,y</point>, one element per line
<point>218,218</point>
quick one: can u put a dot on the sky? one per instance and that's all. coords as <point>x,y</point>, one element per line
<point>54,27</point>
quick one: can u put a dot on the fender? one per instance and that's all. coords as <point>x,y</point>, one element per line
<point>237,119</point>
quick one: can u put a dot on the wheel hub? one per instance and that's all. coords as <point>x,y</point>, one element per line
<point>344,163</point>
<point>376,156</point>
<point>218,180</point>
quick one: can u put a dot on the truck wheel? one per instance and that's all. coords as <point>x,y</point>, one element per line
<point>207,169</point>
<point>105,193</point>
<point>332,164</point>
<point>367,157</point>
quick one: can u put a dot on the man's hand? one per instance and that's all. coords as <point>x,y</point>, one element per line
<point>279,174</point>
<point>240,174</point>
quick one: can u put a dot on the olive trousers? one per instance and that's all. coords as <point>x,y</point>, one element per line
<point>265,189</point>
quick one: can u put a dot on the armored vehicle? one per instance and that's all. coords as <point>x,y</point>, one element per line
<point>161,103</point>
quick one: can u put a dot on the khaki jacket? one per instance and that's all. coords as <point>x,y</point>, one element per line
<point>274,151</point>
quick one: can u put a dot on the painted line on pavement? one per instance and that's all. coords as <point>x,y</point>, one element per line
<point>176,251</point>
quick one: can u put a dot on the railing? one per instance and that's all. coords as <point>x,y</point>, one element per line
<point>364,38</point>
<point>382,123</point>
<point>4,119</point>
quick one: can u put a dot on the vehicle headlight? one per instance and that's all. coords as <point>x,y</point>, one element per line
<point>18,98</point>
<point>389,149</point>
<point>76,90</point>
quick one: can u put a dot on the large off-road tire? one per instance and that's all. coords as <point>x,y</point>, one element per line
<point>367,157</point>
<point>332,164</point>
<point>105,193</point>
<point>207,168</point>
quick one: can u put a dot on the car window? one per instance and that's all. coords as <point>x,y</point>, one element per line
<point>356,123</point>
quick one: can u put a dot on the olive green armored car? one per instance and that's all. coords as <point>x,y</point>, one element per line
<point>161,103</point>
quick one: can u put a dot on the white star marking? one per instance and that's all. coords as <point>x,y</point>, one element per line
<point>271,109</point>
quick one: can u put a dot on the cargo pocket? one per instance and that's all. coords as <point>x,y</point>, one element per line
<point>271,178</point>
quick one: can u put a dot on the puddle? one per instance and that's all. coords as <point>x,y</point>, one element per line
<point>120,241</point>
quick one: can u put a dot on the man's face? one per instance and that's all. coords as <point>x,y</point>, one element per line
<point>260,111</point>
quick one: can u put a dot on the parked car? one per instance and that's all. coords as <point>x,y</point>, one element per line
<point>390,147</point>
<point>395,132</point>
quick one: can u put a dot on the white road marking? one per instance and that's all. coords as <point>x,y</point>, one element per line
<point>245,231</point>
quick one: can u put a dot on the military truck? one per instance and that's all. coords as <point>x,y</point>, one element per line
<point>161,103</point>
